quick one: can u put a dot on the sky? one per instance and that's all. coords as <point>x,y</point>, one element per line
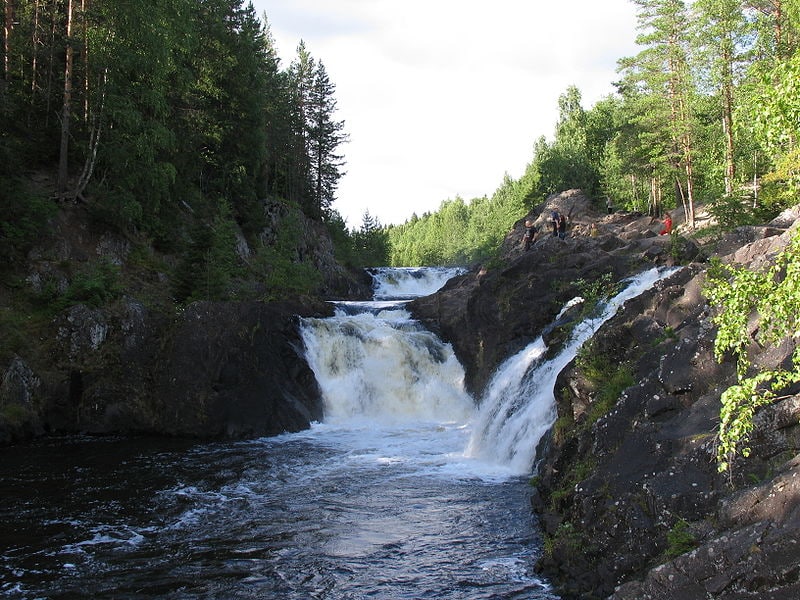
<point>442,98</point>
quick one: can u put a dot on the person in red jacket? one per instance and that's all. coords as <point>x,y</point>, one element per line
<point>667,225</point>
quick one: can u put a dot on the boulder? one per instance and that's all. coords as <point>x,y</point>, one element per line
<point>236,370</point>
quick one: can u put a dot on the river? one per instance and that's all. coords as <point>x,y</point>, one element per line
<point>406,490</point>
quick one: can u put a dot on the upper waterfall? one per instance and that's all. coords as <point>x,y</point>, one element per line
<point>407,283</point>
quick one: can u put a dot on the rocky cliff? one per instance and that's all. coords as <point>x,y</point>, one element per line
<point>135,362</point>
<point>628,492</point>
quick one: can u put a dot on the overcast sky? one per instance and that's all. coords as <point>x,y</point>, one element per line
<point>441,98</point>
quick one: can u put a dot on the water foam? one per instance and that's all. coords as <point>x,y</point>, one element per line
<point>384,368</point>
<point>410,282</point>
<point>518,407</point>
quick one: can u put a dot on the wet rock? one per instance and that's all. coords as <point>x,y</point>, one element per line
<point>632,504</point>
<point>19,389</point>
<point>237,370</point>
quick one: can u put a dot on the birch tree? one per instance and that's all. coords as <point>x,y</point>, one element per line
<point>722,38</point>
<point>661,78</point>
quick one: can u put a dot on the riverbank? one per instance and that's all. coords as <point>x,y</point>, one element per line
<point>93,341</point>
<point>628,491</point>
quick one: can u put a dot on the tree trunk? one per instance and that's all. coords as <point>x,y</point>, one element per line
<point>34,50</point>
<point>727,122</point>
<point>85,24</point>
<point>94,143</point>
<point>8,26</point>
<point>51,63</point>
<point>66,110</point>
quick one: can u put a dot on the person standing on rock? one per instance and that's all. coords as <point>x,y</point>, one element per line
<point>667,225</point>
<point>554,222</point>
<point>562,227</point>
<point>530,235</point>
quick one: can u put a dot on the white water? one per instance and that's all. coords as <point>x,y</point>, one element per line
<point>405,491</point>
<point>385,368</point>
<point>519,406</point>
<point>404,283</point>
<point>391,381</point>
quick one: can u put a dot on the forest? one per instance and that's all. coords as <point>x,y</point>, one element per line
<point>171,121</point>
<point>175,121</point>
<point>707,113</point>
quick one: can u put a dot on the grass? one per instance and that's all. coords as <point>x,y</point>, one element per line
<point>608,378</point>
<point>680,539</point>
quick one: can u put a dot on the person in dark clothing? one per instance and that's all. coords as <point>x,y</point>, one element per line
<point>530,235</point>
<point>554,222</point>
<point>562,226</point>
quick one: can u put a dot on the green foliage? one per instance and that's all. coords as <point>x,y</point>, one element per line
<point>278,265</point>
<point>15,415</point>
<point>23,218</point>
<point>177,107</point>
<point>680,539</point>
<point>370,244</point>
<point>209,262</point>
<point>566,538</point>
<point>608,377</point>
<point>462,233</point>
<point>578,472</point>
<point>739,295</point>
<point>731,212</point>
<point>595,291</point>
<point>96,284</point>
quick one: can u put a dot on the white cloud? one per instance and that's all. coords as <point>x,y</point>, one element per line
<point>442,97</point>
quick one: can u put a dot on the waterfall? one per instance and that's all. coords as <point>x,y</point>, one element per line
<point>373,362</point>
<point>519,407</point>
<point>384,367</point>
<point>378,368</point>
<point>405,283</point>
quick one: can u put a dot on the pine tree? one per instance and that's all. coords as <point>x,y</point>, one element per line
<point>721,32</point>
<point>324,138</point>
<point>659,80</point>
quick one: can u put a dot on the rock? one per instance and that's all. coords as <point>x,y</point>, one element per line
<point>221,369</point>
<point>82,330</point>
<point>492,316</point>
<point>632,505</point>
<point>655,450</point>
<point>236,370</point>
<point>19,389</point>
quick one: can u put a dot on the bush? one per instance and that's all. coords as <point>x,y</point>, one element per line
<point>608,377</point>
<point>23,218</point>
<point>737,294</point>
<point>95,285</point>
<point>680,539</point>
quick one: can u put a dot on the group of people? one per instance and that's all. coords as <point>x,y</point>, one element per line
<point>558,223</point>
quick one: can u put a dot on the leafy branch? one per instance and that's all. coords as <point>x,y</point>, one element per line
<point>770,298</point>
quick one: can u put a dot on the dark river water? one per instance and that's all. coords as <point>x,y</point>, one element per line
<point>338,512</point>
<point>410,489</point>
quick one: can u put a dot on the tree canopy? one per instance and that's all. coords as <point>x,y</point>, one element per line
<point>173,120</point>
<point>706,112</point>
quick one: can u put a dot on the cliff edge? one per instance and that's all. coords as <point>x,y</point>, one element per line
<point>627,488</point>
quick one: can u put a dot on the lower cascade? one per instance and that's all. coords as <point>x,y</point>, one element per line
<point>407,489</point>
<point>373,362</point>
<point>518,407</point>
